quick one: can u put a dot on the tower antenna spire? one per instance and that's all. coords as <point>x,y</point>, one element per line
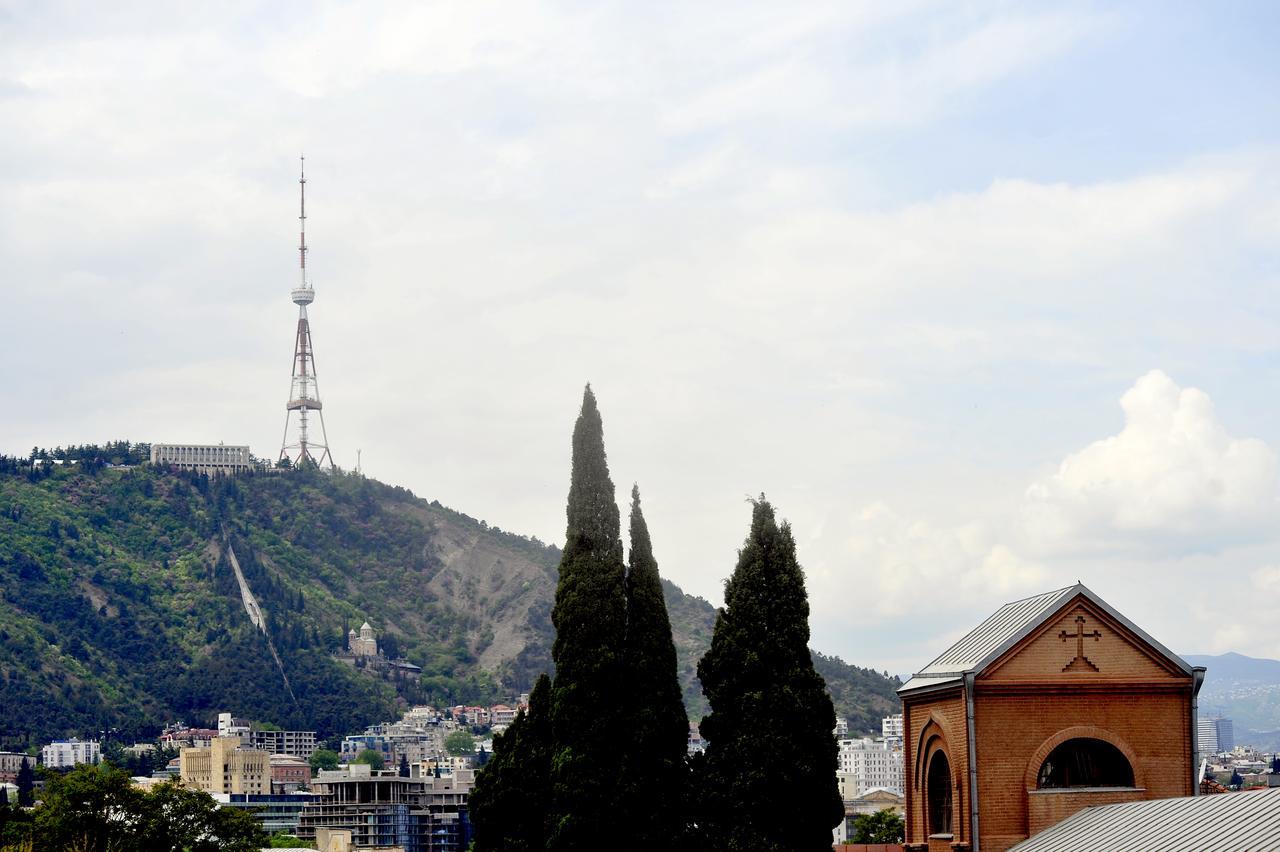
<point>304,390</point>
<point>302,218</point>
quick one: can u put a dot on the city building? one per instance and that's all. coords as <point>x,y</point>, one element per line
<point>297,743</point>
<point>229,726</point>
<point>11,762</point>
<point>226,766</point>
<point>891,730</point>
<point>842,727</point>
<point>696,744</point>
<point>424,814</point>
<point>63,754</point>
<point>203,458</point>
<point>1055,703</point>
<point>866,763</point>
<point>278,812</point>
<point>289,773</point>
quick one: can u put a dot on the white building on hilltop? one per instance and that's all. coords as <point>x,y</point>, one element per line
<point>203,458</point>
<point>62,754</point>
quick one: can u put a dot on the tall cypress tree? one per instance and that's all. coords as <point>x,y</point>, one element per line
<point>26,782</point>
<point>588,697</point>
<point>511,798</point>
<point>768,780</point>
<point>654,782</point>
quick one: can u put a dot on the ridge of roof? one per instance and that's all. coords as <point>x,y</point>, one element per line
<point>1010,624</point>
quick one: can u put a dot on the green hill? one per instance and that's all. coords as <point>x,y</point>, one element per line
<point>119,607</point>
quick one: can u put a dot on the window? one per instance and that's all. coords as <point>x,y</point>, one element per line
<point>1085,762</point>
<point>938,792</point>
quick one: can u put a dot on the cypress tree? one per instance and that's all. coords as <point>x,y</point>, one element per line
<point>768,779</point>
<point>588,697</point>
<point>654,782</point>
<point>26,782</point>
<point>510,801</point>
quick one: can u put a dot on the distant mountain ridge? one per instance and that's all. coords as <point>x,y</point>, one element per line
<point>1245,690</point>
<point>119,607</point>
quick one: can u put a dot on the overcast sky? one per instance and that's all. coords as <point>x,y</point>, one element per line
<point>982,296</point>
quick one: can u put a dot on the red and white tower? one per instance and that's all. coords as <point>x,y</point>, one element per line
<point>304,391</point>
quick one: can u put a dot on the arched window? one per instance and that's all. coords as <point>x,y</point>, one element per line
<point>938,792</point>
<point>1085,762</point>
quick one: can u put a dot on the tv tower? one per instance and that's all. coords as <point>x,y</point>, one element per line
<point>304,391</point>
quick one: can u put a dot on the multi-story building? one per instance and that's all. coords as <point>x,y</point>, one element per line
<point>866,763</point>
<point>226,767</point>
<point>230,726</point>
<point>842,727</point>
<point>62,754</point>
<point>424,814</point>
<point>288,773</point>
<point>296,743</point>
<point>891,729</point>
<point>278,812</point>
<point>10,763</point>
<point>204,458</point>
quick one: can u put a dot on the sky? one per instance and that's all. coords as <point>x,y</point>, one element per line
<point>982,296</point>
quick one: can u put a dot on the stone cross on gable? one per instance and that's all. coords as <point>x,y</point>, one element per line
<point>1080,662</point>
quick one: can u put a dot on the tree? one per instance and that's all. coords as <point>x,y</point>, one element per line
<point>884,826</point>
<point>654,774</point>
<point>588,695</point>
<point>510,801</point>
<point>180,820</point>
<point>768,778</point>
<point>460,744</point>
<point>91,808</point>
<point>26,782</point>
<point>373,758</point>
<point>322,759</point>
<point>1237,780</point>
<point>403,769</point>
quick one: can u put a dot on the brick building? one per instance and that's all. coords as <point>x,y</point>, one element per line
<point>1052,704</point>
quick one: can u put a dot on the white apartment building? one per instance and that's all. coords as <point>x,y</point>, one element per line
<point>61,754</point>
<point>842,727</point>
<point>866,763</point>
<point>891,728</point>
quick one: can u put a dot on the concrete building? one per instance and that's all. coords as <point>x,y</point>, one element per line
<point>866,763</point>
<point>891,730</point>
<point>425,814</point>
<point>63,754</point>
<point>203,458</point>
<point>289,773</point>
<point>11,762</point>
<point>296,743</point>
<point>226,767</point>
<point>364,643</point>
<point>229,726</point>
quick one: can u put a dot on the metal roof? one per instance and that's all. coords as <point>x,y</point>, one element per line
<point>1009,625</point>
<point>1226,822</point>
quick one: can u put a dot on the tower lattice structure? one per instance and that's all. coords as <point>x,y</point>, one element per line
<point>304,389</point>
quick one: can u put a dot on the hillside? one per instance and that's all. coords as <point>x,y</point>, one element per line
<point>1245,690</point>
<point>120,609</point>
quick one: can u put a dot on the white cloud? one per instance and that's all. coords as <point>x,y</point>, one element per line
<point>1171,480</point>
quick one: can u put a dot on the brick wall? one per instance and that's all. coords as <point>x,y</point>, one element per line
<point>943,713</point>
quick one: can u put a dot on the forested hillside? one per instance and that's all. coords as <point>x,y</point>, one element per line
<point>119,608</point>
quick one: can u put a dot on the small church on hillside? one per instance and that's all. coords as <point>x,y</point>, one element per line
<point>1054,703</point>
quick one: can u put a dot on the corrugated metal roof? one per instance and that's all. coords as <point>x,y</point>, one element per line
<point>1227,822</point>
<point>1009,625</point>
<point>933,682</point>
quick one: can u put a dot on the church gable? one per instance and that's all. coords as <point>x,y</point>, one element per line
<point>1081,641</point>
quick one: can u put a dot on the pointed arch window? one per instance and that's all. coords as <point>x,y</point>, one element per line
<point>938,793</point>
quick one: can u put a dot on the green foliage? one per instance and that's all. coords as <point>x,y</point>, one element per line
<point>460,744</point>
<point>588,695</point>
<point>323,759</point>
<point>98,808</point>
<point>884,826</point>
<point>373,758</point>
<point>510,803</point>
<point>288,841</point>
<point>767,781</point>
<point>653,782</point>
